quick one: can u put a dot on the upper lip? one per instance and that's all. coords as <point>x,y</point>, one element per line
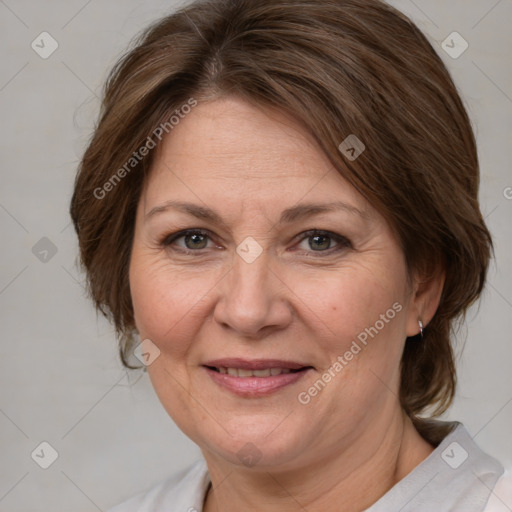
<point>254,364</point>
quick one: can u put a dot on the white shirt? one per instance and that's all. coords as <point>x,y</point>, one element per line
<point>456,477</point>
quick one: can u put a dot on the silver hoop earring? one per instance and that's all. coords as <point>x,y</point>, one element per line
<point>420,323</point>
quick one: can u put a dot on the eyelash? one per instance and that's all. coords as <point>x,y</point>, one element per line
<point>342,242</point>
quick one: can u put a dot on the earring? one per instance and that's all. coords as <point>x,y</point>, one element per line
<point>420,323</point>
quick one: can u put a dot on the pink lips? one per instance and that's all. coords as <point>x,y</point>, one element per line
<point>255,386</point>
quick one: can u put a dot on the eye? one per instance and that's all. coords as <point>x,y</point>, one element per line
<point>323,241</point>
<point>195,240</point>
<point>190,240</point>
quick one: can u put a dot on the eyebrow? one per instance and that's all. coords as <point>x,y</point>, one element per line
<point>287,216</point>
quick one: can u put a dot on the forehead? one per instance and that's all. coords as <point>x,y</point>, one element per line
<point>230,150</point>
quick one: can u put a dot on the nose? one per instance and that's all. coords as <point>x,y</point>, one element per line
<point>253,299</point>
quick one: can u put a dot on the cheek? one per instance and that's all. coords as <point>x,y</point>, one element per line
<point>365,319</point>
<point>352,300</point>
<point>165,301</point>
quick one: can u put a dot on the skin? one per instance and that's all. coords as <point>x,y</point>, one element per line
<point>297,301</point>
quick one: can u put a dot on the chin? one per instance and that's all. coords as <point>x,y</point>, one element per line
<point>255,442</point>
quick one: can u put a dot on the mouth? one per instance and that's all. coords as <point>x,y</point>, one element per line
<point>256,377</point>
<point>244,373</point>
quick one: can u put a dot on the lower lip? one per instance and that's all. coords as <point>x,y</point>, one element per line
<point>255,386</point>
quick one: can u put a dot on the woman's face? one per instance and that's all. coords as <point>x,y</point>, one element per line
<point>289,277</point>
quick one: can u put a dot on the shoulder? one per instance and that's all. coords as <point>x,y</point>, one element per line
<point>456,476</point>
<point>184,492</point>
<point>501,496</point>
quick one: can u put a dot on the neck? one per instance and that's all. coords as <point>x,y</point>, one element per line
<point>350,480</point>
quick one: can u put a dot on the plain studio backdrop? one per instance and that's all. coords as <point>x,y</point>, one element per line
<point>60,379</point>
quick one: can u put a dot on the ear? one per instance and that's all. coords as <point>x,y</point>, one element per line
<point>426,295</point>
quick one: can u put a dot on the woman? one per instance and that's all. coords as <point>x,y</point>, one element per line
<point>266,213</point>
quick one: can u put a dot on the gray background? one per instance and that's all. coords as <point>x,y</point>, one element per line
<point>60,379</point>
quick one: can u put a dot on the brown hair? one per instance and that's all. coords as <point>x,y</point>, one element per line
<point>340,67</point>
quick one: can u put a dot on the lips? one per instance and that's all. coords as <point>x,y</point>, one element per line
<point>257,377</point>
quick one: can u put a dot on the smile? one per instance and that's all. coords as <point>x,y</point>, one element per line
<point>242,372</point>
<point>254,378</point>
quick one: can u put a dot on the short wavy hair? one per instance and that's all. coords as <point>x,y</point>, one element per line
<point>339,67</point>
